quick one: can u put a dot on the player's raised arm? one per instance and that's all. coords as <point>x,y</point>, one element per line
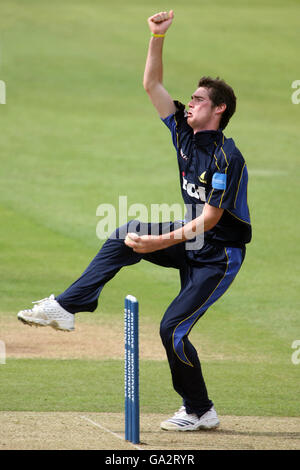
<point>153,75</point>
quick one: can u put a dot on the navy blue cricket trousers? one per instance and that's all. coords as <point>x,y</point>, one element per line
<point>204,279</point>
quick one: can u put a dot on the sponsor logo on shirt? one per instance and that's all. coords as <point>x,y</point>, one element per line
<point>198,192</point>
<point>202,178</point>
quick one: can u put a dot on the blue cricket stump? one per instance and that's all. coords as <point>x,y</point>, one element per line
<point>131,337</point>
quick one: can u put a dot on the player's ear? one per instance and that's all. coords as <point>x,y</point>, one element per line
<point>221,108</point>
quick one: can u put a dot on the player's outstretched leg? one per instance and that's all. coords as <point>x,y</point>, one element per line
<point>82,296</point>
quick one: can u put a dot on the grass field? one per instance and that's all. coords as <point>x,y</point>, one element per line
<point>78,130</point>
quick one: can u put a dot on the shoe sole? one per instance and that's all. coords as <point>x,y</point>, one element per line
<point>207,428</point>
<point>41,323</point>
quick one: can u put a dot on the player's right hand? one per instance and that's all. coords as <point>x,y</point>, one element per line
<point>160,22</point>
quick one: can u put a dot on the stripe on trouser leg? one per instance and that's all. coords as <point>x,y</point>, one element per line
<point>234,261</point>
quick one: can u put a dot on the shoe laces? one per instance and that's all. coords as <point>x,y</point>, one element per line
<point>43,300</point>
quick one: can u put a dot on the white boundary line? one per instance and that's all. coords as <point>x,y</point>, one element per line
<point>110,432</point>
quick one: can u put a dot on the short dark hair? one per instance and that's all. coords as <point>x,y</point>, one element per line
<point>219,92</point>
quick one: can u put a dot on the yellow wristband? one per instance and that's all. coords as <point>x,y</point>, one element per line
<point>158,35</point>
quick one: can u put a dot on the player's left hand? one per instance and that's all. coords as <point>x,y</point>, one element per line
<point>143,243</point>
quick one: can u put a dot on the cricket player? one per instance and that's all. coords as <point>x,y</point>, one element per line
<point>213,178</point>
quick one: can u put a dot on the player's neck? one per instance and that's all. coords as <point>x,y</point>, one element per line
<point>209,126</point>
<point>206,128</point>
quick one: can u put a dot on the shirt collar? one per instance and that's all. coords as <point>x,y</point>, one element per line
<point>207,138</point>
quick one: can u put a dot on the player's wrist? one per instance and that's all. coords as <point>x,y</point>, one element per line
<point>158,35</point>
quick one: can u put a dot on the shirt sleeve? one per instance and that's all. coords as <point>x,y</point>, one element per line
<point>225,182</point>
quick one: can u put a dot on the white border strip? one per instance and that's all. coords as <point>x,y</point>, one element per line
<point>110,432</point>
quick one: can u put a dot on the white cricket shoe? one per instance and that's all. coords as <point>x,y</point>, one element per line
<point>183,421</point>
<point>48,312</point>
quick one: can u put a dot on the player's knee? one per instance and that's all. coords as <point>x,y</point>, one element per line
<point>166,332</point>
<point>121,232</point>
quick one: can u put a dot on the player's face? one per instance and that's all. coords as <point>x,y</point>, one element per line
<point>201,110</point>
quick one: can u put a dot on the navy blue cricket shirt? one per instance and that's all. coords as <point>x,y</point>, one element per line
<point>212,170</point>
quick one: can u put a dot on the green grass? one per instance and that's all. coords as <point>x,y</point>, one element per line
<point>97,386</point>
<point>78,130</point>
